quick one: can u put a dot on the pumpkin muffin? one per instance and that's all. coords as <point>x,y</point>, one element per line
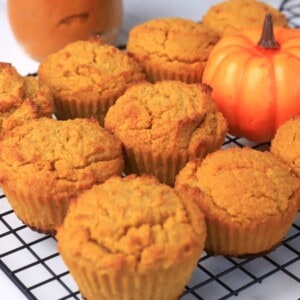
<point>286,144</point>
<point>86,78</point>
<point>165,124</point>
<point>171,48</point>
<point>131,238</point>
<point>45,163</point>
<point>21,98</point>
<point>230,16</point>
<point>249,199</point>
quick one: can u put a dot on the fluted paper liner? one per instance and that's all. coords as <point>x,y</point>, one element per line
<point>253,238</point>
<point>159,72</point>
<point>40,213</point>
<point>164,166</point>
<point>70,109</point>
<point>134,285</point>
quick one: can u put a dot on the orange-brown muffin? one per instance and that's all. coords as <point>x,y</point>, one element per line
<point>21,98</point>
<point>131,238</point>
<point>165,124</point>
<point>171,48</point>
<point>286,144</point>
<point>249,199</point>
<point>45,163</point>
<point>86,78</point>
<point>230,16</point>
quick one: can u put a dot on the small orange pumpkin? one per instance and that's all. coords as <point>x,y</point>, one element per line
<point>256,79</point>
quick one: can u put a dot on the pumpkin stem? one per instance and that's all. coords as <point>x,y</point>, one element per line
<point>267,39</point>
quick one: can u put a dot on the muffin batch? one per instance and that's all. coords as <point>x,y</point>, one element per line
<point>118,155</point>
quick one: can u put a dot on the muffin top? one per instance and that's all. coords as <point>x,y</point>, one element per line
<point>168,116</point>
<point>230,16</point>
<point>286,143</point>
<point>57,156</point>
<point>241,185</point>
<point>172,41</point>
<point>139,225</point>
<point>89,69</point>
<point>21,98</point>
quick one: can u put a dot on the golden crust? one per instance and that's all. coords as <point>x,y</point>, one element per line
<point>175,48</point>
<point>59,153</point>
<point>53,161</point>
<point>153,228</point>
<point>87,76</point>
<point>141,229</point>
<point>241,192</point>
<point>21,98</point>
<point>169,117</point>
<point>230,16</point>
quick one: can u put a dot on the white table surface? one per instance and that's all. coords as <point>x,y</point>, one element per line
<point>135,11</point>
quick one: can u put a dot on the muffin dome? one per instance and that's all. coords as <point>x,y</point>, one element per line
<point>230,16</point>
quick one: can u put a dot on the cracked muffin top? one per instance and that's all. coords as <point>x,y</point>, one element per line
<point>58,158</point>
<point>230,16</point>
<point>168,117</point>
<point>89,71</point>
<point>286,143</point>
<point>174,44</point>
<point>21,98</point>
<point>241,185</point>
<point>134,224</point>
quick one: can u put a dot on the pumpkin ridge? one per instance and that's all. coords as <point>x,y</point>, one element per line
<point>286,52</point>
<point>237,96</point>
<point>244,39</point>
<point>274,106</point>
<point>221,61</point>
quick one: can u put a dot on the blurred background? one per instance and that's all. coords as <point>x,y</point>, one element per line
<point>134,12</point>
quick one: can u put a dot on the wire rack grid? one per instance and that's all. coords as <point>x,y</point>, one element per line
<point>32,262</point>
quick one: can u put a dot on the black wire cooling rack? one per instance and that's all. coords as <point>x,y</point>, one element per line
<point>32,262</point>
<point>291,9</point>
